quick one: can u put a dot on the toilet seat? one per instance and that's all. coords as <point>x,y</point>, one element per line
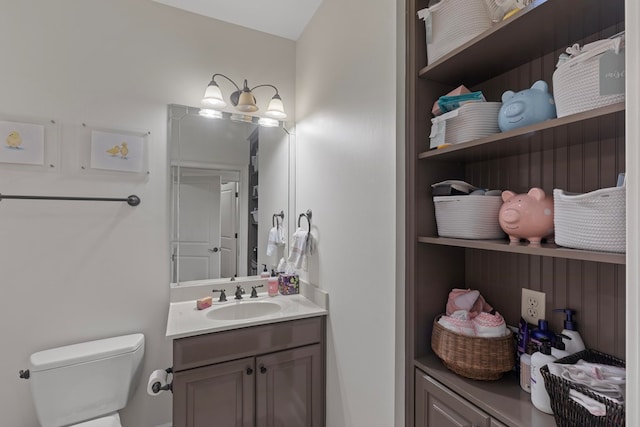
<point>112,420</point>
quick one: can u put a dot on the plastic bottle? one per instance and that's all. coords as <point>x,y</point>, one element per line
<point>543,331</point>
<point>265,273</point>
<point>539,395</point>
<point>272,284</point>
<point>575,344</point>
<point>525,372</point>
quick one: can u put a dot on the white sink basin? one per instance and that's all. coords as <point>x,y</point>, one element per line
<point>244,310</point>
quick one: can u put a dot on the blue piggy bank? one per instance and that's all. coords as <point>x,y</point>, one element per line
<point>526,107</point>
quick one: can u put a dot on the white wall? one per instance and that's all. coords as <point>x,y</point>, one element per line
<point>74,271</point>
<point>346,173</point>
<point>632,16</point>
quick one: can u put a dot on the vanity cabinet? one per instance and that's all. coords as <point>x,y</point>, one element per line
<point>263,376</point>
<point>577,153</point>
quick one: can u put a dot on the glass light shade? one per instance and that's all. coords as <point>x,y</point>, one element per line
<point>276,108</point>
<point>247,103</point>
<point>267,122</point>
<point>213,96</point>
<point>214,114</point>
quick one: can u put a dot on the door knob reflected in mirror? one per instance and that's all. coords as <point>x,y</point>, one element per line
<point>214,250</point>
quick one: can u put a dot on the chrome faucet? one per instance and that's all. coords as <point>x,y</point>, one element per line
<point>223,296</point>
<point>239,292</point>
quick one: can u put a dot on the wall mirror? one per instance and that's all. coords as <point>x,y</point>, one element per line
<point>230,179</point>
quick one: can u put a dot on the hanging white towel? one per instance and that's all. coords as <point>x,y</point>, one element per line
<point>272,241</point>
<point>276,238</point>
<point>298,247</point>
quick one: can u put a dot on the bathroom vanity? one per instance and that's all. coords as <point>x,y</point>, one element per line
<point>251,370</point>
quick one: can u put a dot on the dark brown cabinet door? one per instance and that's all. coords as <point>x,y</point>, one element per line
<point>290,388</point>
<point>220,395</point>
<point>436,406</point>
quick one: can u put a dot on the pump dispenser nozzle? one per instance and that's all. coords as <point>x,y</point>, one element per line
<point>569,323</point>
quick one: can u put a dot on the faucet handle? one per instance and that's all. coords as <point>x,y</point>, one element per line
<point>254,293</point>
<point>223,296</point>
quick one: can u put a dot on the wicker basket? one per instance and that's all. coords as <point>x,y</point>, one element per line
<point>468,217</point>
<point>451,23</point>
<point>569,413</point>
<point>576,82</point>
<point>592,221</point>
<point>473,357</point>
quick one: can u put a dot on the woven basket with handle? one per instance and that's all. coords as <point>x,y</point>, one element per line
<point>473,357</point>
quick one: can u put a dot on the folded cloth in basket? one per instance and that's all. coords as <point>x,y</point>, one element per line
<point>489,325</point>
<point>606,380</point>
<point>467,299</point>
<point>458,322</point>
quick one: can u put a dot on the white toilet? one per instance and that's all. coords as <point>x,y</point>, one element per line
<point>86,384</point>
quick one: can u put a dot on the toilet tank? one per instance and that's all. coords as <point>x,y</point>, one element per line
<point>78,382</point>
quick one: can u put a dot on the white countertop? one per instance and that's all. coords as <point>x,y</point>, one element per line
<point>185,320</point>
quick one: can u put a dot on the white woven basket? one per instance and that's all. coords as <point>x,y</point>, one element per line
<point>452,23</point>
<point>576,82</point>
<point>592,221</point>
<point>471,121</point>
<point>468,217</point>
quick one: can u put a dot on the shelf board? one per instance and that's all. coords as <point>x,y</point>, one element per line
<point>502,399</point>
<point>508,44</point>
<point>516,141</point>
<point>545,249</point>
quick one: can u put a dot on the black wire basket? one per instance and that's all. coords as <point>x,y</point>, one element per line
<point>566,411</point>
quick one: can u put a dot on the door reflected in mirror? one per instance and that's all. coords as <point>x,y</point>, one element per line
<point>228,181</point>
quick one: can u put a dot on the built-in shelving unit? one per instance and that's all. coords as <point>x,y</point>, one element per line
<point>578,153</point>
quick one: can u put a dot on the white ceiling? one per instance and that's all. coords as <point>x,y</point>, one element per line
<point>284,18</point>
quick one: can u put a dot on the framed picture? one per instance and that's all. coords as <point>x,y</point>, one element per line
<point>118,151</point>
<point>22,143</point>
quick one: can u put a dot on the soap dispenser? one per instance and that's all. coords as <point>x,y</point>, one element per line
<point>539,395</point>
<point>575,344</point>
<point>272,284</point>
<point>264,273</point>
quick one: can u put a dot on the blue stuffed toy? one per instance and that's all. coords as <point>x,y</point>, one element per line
<point>526,107</point>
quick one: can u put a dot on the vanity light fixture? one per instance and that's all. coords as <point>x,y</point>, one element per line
<point>243,99</point>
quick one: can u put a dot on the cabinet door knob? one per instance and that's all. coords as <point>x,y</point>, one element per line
<point>263,369</point>
<point>249,371</point>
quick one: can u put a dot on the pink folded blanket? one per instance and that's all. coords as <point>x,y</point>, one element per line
<point>469,300</point>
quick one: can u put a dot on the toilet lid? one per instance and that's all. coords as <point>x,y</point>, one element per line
<point>112,420</point>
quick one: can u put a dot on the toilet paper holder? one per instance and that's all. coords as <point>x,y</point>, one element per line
<point>157,386</point>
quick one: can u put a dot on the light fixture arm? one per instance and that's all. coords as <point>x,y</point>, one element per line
<point>272,86</point>
<point>222,75</point>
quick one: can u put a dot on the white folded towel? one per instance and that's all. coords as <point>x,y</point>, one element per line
<point>593,406</point>
<point>606,380</point>
<point>489,325</point>
<point>458,322</point>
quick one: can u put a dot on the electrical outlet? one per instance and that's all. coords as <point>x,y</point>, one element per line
<point>533,305</point>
